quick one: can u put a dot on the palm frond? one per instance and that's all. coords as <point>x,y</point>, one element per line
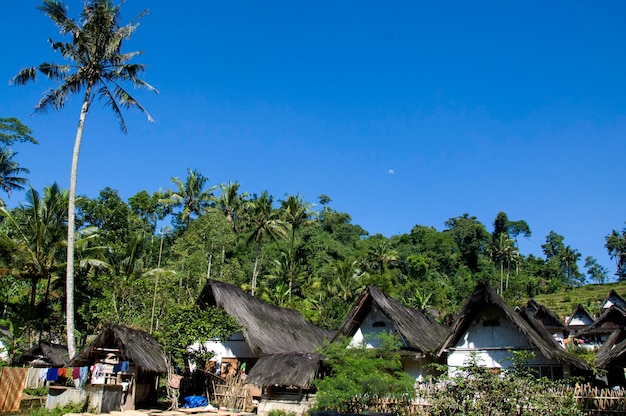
<point>57,13</point>
<point>110,101</point>
<point>24,76</point>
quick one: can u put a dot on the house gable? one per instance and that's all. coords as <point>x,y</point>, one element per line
<point>371,327</point>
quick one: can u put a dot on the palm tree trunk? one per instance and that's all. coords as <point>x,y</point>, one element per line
<point>71,210</point>
<point>255,272</point>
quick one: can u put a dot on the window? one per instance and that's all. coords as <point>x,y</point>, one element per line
<point>379,324</point>
<point>491,322</point>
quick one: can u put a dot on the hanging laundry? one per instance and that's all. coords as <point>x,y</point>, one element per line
<point>52,375</point>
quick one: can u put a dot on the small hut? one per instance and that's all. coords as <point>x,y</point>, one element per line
<point>273,338</point>
<point>45,354</point>
<point>125,365</point>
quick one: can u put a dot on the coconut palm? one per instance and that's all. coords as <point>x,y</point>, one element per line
<point>297,213</point>
<point>190,196</point>
<point>34,239</point>
<point>97,68</point>
<point>230,203</point>
<point>264,222</point>
<point>10,172</point>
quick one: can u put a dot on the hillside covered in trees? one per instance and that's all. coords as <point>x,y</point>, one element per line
<point>143,262</point>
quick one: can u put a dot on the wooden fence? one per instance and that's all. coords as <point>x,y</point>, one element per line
<point>592,400</point>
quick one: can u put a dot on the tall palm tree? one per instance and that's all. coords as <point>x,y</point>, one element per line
<point>190,195</point>
<point>297,213</point>
<point>96,67</point>
<point>231,203</point>
<point>35,238</point>
<point>10,172</point>
<point>264,222</point>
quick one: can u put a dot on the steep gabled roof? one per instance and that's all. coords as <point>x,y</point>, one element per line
<point>612,353</point>
<point>286,369</point>
<point>419,330</point>
<point>613,298</point>
<point>611,319</point>
<point>134,345</point>
<point>538,337</point>
<point>540,312</point>
<point>579,310</point>
<point>267,329</point>
<point>45,354</point>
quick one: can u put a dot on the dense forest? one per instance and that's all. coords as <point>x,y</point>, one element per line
<point>142,262</point>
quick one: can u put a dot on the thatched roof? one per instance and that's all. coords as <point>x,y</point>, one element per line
<point>45,354</point>
<point>579,310</point>
<point>267,329</point>
<point>611,319</point>
<point>135,346</point>
<point>418,329</point>
<point>285,369</point>
<point>549,319</point>
<point>612,353</point>
<point>613,298</point>
<point>533,330</point>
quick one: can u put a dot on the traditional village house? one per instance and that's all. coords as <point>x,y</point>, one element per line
<point>277,346</point>
<point>375,313</point>
<point>613,298</point>
<point>578,320</point>
<point>124,365</point>
<point>611,357</point>
<point>490,330</point>
<point>596,334</point>
<point>550,321</point>
<point>45,354</point>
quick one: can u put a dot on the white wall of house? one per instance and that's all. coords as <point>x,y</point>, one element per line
<point>234,347</point>
<point>491,337</point>
<point>580,320</point>
<point>374,324</point>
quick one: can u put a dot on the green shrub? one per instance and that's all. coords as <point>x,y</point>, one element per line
<point>479,391</point>
<point>360,377</point>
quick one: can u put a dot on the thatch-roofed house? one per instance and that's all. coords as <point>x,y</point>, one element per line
<point>550,321</point>
<point>489,328</point>
<point>125,363</point>
<point>266,329</point>
<point>611,357</point>
<point>277,345</point>
<point>374,313</point>
<point>613,298</point>
<point>597,333</point>
<point>45,354</point>
<point>578,320</point>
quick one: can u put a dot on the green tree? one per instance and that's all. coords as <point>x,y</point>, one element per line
<point>360,377</point>
<point>616,247</point>
<point>231,204</point>
<point>297,213</point>
<point>97,67</point>
<point>33,241</point>
<point>471,237</point>
<point>12,130</point>
<point>10,172</point>
<point>264,222</point>
<point>190,196</point>
<point>595,271</point>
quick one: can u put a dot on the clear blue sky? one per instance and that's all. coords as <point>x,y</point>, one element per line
<point>403,112</point>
